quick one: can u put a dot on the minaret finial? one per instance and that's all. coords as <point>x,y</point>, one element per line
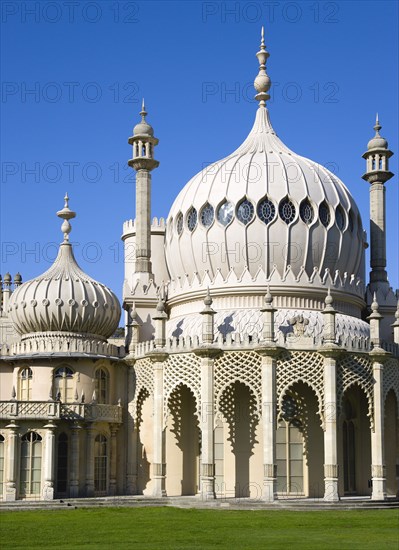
<point>66,214</point>
<point>143,112</point>
<point>262,81</point>
<point>377,126</point>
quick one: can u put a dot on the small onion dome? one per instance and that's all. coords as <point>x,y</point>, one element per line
<point>64,298</point>
<point>7,278</point>
<point>18,278</point>
<point>143,128</point>
<point>377,142</point>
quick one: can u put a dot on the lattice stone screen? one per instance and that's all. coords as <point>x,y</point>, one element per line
<point>352,370</point>
<point>182,368</point>
<point>299,366</point>
<point>238,366</point>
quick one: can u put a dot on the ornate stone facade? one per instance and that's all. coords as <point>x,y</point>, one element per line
<point>245,370</point>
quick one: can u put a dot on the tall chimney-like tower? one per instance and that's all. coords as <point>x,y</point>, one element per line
<point>143,142</point>
<point>377,173</point>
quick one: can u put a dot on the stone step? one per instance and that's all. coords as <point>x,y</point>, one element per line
<point>197,502</point>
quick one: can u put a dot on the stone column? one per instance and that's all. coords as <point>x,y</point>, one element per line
<point>377,433</point>
<point>330,425</point>
<point>49,461</point>
<point>378,356</point>
<point>207,352</point>
<point>269,363</point>
<point>330,351</point>
<point>207,427</point>
<point>159,467</point>
<point>12,462</point>
<point>74,471</point>
<point>131,437</point>
<point>90,460</point>
<point>207,477</point>
<point>114,457</point>
<point>269,352</point>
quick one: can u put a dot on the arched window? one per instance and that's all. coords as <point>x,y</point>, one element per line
<point>324,214</point>
<point>289,450</point>
<point>25,384</point>
<point>225,213</point>
<point>266,210</point>
<point>62,463</point>
<point>207,215</point>
<point>179,223</point>
<point>192,219</point>
<point>31,464</point>
<point>306,212</point>
<point>340,217</point>
<point>287,210</point>
<point>63,384</point>
<point>1,465</point>
<point>102,386</point>
<point>100,464</point>
<point>245,211</point>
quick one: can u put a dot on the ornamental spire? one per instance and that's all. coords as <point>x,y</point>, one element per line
<point>377,126</point>
<point>66,214</point>
<point>143,112</point>
<point>262,82</point>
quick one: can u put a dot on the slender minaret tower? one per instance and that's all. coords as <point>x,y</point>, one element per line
<point>377,174</point>
<point>143,142</point>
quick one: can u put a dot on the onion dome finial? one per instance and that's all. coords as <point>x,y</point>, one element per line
<point>143,128</point>
<point>66,214</point>
<point>262,81</point>
<point>377,142</point>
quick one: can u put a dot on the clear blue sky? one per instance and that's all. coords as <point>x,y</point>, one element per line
<point>333,64</point>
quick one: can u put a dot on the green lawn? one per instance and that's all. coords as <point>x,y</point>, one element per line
<point>173,528</point>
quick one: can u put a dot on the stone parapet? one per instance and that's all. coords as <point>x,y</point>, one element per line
<point>54,410</point>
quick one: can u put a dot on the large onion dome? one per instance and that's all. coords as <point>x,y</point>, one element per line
<point>65,299</point>
<point>264,209</point>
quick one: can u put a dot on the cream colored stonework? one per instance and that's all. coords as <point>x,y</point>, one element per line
<point>246,370</point>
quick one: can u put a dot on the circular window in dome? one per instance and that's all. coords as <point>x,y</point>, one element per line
<point>207,215</point>
<point>324,214</point>
<point>179,223</point>
<point>287,210</point>
<point>245,211</point>
<point>192,219</point>
<point>306,212</point>
<point>340,218</point>
<point>225,213</point>
<point>266,210</point>
<point>351,222</point>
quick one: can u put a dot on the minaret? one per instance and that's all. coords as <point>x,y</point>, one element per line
<point>143,142</point>
<point>377,174</point>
